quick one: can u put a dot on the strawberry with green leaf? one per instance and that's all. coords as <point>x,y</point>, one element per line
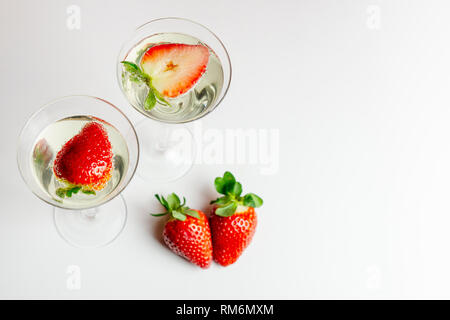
<point>187,231</point>
<point>85,162</point>
<point>168,70</point>
<point>233,220</point>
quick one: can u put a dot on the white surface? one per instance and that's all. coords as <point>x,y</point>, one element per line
<point>359,207</point>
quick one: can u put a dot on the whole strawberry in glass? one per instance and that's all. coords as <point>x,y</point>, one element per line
<point>85,162</point>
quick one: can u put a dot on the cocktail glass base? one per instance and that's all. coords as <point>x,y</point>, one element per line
<point>94,227</point>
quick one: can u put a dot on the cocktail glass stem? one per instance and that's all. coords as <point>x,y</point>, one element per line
<point>168,151</point>
<point>94,227</point>
<point>163,138</point>
<point>89,213</point>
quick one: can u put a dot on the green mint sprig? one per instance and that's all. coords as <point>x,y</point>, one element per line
<point>137,75</point>
<point>231,199</point>
<point>175,208</point>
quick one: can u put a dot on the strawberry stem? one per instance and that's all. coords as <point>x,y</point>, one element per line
<point>69,191</point>
<point>175,208</point>
<point>231,199</point>
<point>135,74</point>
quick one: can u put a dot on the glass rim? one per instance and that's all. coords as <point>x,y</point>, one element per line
<point>35,113</point>
<point>193,22</point>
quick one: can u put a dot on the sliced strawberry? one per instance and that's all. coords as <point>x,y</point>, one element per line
<point>175,68</point>
<point>85,161</point>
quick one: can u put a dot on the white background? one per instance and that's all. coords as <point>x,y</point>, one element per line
<point>359,207</point>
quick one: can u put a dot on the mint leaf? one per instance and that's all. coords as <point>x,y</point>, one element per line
<point>192,213</point>
<point>227,211</point>
<point>178,215</point>
<point>252,200</point>
<point>150,101</point>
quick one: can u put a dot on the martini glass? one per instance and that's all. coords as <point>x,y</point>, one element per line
<point>168,148</point>
<point>84,219</point>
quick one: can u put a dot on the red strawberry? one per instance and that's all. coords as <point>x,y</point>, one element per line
<point>85,161</point>
<point>187,232</point>
<point>175,68</point>
<point>233,220</point>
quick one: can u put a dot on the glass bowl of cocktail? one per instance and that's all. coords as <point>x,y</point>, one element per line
<point>78,153</point>
<point>175,71</point>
